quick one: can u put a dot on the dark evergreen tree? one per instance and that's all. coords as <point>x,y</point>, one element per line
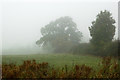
<point>102,29</point>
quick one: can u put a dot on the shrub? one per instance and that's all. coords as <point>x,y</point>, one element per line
<point>108,49</point>
<point>31,69</point>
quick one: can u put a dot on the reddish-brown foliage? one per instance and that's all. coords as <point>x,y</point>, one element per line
<point>31,69</point>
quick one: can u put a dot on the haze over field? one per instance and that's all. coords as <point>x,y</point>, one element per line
<point>22,20</point>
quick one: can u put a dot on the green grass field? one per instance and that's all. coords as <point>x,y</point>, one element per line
<point>57,60</point>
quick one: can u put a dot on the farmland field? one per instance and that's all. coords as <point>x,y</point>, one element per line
<point>57,60</point>
<point>58,66</point>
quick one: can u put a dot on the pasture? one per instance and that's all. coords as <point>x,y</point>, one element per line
<point>56,60</point>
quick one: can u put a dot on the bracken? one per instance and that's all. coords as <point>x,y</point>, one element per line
<point>31,69</point>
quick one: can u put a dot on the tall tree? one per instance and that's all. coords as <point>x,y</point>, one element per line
<point>61,34</point>
<point>103,29</point>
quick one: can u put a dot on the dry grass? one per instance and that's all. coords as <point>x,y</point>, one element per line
<point>31,69</point>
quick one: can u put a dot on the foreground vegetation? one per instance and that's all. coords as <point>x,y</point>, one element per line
<point>31,69</point>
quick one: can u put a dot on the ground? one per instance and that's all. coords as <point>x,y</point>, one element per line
<point>57,60</point>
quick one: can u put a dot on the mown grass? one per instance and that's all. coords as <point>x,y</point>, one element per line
<point>56,60</point>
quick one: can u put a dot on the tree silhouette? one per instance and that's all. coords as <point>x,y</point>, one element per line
<point>61,34</point>
<point>103,29</point>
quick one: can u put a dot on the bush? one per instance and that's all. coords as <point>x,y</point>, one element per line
<point>108,49</point>
<point>82,48</point>
<point>31,69</point>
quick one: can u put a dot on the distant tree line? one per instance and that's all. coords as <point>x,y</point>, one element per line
<point>63,36</point>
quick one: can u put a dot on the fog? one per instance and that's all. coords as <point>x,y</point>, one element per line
<point>22,20</point>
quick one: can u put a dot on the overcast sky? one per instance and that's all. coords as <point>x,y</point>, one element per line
<point>21,20</point>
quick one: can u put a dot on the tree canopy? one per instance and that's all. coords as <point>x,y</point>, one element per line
<point>61,34</point>
<point>102,29</point>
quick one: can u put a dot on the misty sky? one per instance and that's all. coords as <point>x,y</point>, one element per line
<point>22,20</point>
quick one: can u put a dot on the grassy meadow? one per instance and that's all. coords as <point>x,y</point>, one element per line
<point>56,60</point>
